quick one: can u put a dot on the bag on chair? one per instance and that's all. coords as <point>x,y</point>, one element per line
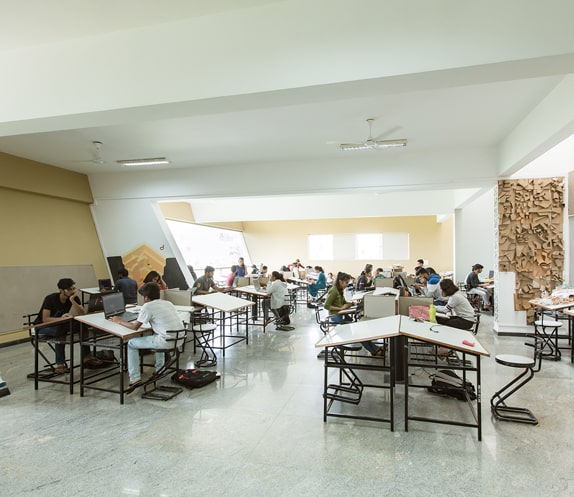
<point>194,378</point>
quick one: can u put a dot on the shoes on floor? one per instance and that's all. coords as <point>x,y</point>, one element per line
<point>133,385</point>
<point>380,352</point>
<point>61,369</point>
<point>93,363</point>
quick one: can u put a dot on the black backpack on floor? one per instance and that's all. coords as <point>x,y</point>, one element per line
<point>448,383</point>
<point>194,378</point>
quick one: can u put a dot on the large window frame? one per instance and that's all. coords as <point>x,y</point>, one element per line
<point>202,245</point>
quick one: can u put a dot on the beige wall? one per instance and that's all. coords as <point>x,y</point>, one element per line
<point>45,217</point>
<point>280,242</point>
<point>276,243</point>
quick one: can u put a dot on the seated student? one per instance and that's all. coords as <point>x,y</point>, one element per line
<point>319,284</point>
<point>420,286</point>
<point>60,305</point>
<point>162,317</point>
<point>476,287</point>
<point>205,284</point>
<point>330,279</point>
<point>127,286</point>
<point>279,303</point>
<point>241,268</point>
<point>231,276</point>
<point>254,269</point>
<point>264,273</point>
<point>336,303</point>
<point>365,279</point>
<point>154,277</point>
<point>461,313</point>
<point>379,273</point>
<point>433,288</point>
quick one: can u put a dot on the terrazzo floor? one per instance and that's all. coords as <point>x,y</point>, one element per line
<point>259,431</point>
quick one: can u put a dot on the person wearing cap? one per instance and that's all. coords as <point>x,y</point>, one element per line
<point>433,287</point>
<point>205,284</point>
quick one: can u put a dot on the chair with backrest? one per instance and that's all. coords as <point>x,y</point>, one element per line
<point>175,345</point>
<point>44,367</point>
<point>203,326</point>
<point>529,365</point>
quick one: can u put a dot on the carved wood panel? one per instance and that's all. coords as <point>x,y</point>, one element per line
<point>530,236</point>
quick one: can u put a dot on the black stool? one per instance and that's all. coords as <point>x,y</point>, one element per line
<point>546,330</point>
<point>530,365</point>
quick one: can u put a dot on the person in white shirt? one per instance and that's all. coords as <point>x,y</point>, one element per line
<point>277,288</point>
<point>460,312</point>
<point>162,316</point>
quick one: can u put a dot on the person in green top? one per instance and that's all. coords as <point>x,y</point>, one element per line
<point>336,303</point>
<point>336,299</point>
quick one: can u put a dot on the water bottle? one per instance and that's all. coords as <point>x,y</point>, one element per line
<point>432,313</point>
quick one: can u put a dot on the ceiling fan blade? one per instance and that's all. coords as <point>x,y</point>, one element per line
<point>391,143</point>
<point>355,146</point>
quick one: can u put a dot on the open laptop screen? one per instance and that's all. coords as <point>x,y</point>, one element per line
<point>113,304</point>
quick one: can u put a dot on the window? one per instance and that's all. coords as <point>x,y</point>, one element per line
<point>321,247</point>
<point>203,245</point>
<point>369,246</point>
<point>359,246</point>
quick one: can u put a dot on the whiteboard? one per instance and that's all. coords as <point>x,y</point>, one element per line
<point>24,287</point>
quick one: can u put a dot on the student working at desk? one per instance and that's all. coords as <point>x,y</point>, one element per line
<point>460,313</point>
<point>279,303</point>
<point>64,304</point>
<point>365,279</point>
<point>127,286</point>
<point>336,303</point>
<point>154,277</point>
<point>475,286</point>
<point>162,316</point>
<point>314,287</point>
<point>205,284</point>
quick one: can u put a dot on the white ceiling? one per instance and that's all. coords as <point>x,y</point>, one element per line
<point>474,109</point>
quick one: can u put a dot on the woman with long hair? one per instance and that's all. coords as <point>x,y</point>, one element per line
<point>336,303</point>
<point>460,312</point>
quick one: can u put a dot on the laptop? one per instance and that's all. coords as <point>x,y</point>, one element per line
<point>114,305</point>
<point>257,285</point>
<point>105,285</point>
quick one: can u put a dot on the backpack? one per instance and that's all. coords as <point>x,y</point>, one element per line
<point>194,378</point>
<point>448,383</point>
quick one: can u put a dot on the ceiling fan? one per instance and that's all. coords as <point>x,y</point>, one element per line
<point>371,142</point>
<point>96,154</point>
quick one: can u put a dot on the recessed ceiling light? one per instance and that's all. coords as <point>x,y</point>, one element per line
<point>156,161</point>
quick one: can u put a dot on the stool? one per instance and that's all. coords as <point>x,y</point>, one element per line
<point>549,338</point>
<point>497,402</point>
<point>202,333</point>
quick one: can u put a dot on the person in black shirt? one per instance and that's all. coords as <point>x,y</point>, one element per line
<point>64,304</point>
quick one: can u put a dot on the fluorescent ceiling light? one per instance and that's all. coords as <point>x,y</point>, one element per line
<point>156,161</point>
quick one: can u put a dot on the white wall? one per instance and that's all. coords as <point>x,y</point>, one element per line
<point>474,236</point>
